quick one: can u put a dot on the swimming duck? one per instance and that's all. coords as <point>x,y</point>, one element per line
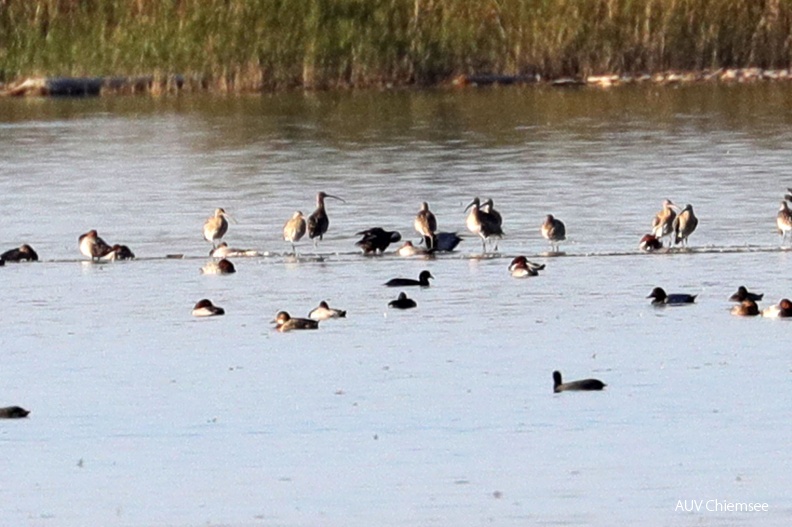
<point>92,246</point>
<point>13,412</point>
<point>408,249</point>
<point>23,253</point>
<point>782,310</point>
<point>747,308</point>
<point>224,251</point>
<point>119,252</point>
<point>743,294</point>
<point>324,311</point>
<point>222,267</point>
<point>520,267</point>
<point>661,298</point>
<point>205,308</point>
<point>423,280</point>
<point>554,231</point>
<point>377,240</point>
<point>582,385</point>
<point>283,322</point>
<point>402,302</point>
<point>216,226</point>
<point>649,243</point>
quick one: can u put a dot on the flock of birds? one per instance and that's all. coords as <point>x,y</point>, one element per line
<point>672,222</point>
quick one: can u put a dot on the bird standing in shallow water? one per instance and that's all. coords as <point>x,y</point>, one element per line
<point>283,322</point>
<point>402,302</point>
<point>318,222</point>
<point>784,221</point>
<point>554,231</point>
<point>663,222</point>
<point>582,385</point>
<point>425,224</point>
<point>294,229</point>
<point>684,225</point>
<point>216,226</point>
<point>92,246</point>
<point>485,225</point>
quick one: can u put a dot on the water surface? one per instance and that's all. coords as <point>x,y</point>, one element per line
<point>142,415</point>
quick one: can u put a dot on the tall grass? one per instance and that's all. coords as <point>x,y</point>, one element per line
<point>266,44</point>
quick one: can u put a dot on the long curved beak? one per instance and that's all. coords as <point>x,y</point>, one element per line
<point>335,197</point>
<point>470,204</point>
<point>230,218</point>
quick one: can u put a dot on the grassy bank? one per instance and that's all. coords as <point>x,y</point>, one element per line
<point>268,44</point>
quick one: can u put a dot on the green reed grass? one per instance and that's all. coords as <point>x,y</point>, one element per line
<point>266,44</point>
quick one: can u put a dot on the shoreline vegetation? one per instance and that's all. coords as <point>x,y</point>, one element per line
<point>60,47</point>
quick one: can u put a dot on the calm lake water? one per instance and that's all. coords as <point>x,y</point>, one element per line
<point>439,416</point>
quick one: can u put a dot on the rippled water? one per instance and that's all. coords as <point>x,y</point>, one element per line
<point>142,415</point>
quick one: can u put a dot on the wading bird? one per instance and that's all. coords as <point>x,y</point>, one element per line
<point>554,231</point>
<point>425,224</point>
<point>318,222</point>
<point>684,225</point>
<point>216,226</point>
<point>294,229</point>
<point>483,224</point>
<point>663,222</point>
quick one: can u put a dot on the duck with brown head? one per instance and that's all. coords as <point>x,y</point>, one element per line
<point>92,246</point>
<point>284,322</point>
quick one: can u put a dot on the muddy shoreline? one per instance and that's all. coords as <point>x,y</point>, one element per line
<point>154,85</point>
